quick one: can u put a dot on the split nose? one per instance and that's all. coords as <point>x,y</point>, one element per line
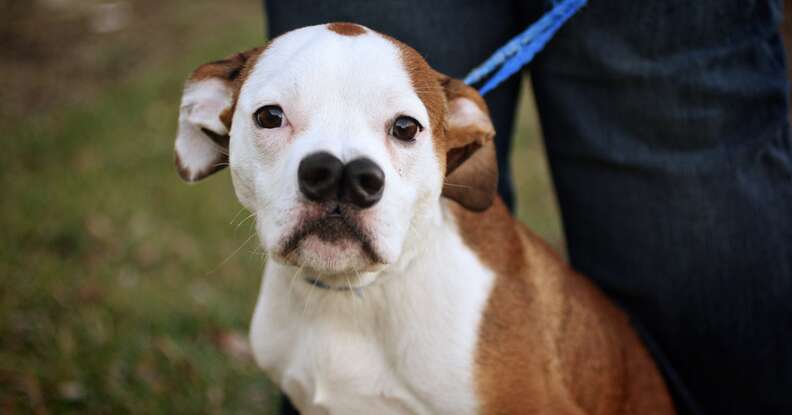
<point>363,183</point>
<point>319,176</point>
<point>323,177</point>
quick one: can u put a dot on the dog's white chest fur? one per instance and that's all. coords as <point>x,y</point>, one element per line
<point>403,346</point>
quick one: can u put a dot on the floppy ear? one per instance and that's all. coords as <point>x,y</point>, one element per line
<point>205,113</point>
<point>471,165</point>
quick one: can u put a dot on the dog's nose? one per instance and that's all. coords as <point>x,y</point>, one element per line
<point>364,182</point>
<point>319,176</point>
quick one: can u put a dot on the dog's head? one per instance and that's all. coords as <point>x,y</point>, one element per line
<point>341,141</point>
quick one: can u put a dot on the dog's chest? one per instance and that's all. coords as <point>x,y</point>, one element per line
<point>400,348</point>
<point>332,371</point>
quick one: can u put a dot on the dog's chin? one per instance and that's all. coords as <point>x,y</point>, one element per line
<point>328,259</point>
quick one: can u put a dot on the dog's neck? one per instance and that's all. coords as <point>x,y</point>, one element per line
<point>432,297</point>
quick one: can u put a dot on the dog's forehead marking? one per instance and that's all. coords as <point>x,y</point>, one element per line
<point>347,29</point>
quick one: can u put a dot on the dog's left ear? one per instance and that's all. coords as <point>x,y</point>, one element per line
<point>471,166</point>
<point>205,113</point>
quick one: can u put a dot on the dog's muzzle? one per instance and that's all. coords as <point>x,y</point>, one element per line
<point>334,226</point>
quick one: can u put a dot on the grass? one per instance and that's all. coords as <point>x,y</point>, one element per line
<point>124,290</point>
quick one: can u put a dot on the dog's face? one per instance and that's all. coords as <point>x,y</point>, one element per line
<point>341,141</point>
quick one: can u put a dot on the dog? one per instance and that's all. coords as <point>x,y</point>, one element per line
<point>397,281</point>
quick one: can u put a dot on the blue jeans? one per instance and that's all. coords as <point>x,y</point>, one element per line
<point>665,123</point>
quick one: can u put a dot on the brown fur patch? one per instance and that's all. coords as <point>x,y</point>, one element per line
<point>471,165</point>
<point>234,70</point>
<point>426,82</point>
<point>475,134</point>
<point>225,69</point>
<point>549,341</point>
<point>251,57</point>
<point>346,29</point>
<point>475,187</point>
<point>472,176</point>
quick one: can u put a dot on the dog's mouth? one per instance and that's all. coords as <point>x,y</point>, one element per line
<point>335,225</point>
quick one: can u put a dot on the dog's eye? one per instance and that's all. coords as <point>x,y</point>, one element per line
<point>269,116</point>
<point>405,128</point>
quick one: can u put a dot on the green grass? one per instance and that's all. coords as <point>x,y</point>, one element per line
<point>115,297</point>
<point>120,288</point>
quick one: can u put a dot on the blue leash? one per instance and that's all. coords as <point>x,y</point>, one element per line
<point>521,49</point>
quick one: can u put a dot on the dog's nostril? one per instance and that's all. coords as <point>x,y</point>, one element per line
<point>371,183</point>
<point>364,182</point>
<point>319,176</point>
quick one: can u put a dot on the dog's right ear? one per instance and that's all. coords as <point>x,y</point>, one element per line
<point>207,106</point>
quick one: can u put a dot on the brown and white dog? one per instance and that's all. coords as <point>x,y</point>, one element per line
<point>398,282</point>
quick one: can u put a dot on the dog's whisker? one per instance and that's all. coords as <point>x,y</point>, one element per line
<point>244,220</point>
<point>457,185</point>
<point>357,291</point>
<point>232,254</point>
<point>236,215</point>
<point>293,278</point>
<point>263,257</point>
<point>413,228</point>
<point>308,300</point>
<point>259,252</point>
<point>349,284</point>
<point>252,214</point>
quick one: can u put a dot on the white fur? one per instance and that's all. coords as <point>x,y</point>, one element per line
<point>201,106</point>
<point>406,343</point>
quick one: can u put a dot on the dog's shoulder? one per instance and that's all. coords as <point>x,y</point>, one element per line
<point>492,236</point>
<point>514,344</point>
<point>548,336</point>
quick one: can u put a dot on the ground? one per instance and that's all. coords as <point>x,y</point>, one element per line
<point>122,289</point>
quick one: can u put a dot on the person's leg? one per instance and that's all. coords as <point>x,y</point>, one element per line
<point>453,35</point>
<point>667,133</point>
